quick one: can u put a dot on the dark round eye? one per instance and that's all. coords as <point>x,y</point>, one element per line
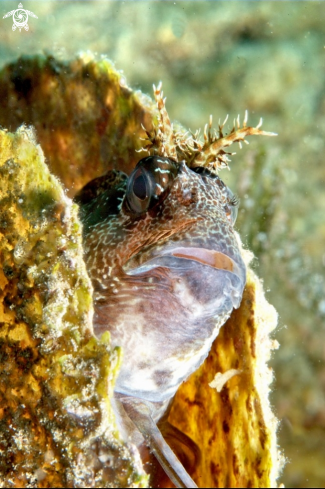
<point>149,183</point>
<point>140,187</point>
<point>139,190</point>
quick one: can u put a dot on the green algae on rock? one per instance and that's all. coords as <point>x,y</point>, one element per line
<point>56,423</point>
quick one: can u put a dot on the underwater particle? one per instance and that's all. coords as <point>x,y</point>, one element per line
<point>179,24</point>
<point>221,379</point>
<point>321,307</point>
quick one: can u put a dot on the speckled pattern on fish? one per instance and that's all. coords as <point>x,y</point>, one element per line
<point>163,256</point>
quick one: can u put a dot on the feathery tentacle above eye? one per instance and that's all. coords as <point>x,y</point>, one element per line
<point>212,152</point>
<point>163,140</point>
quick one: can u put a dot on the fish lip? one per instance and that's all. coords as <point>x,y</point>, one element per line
<point>204,256</point>
<point>212,258</point>
<point>217,265</point>
<point>209,257</point>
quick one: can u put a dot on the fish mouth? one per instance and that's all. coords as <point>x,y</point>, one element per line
<point>203,256</point>
<point>214,259</point>
<point>210,277</point>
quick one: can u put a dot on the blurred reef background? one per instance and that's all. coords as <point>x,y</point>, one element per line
<point>222,58</point>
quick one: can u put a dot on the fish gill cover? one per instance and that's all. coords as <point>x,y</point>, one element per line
<point>57,426</point>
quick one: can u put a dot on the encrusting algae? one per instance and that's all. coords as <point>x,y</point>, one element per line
<point>56,421</point>
<point>57,379</point>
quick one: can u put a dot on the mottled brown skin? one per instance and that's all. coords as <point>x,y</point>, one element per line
<point>161,300</point>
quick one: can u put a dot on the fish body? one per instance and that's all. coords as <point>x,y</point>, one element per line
<point>166,267</point>
<point>167,271</point>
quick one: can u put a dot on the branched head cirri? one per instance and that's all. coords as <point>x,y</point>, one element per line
<point>163,256</point>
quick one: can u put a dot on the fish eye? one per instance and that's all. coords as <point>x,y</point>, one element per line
<point>149,183</point>
<point>233,204</point>
<point>140,187</point>
<point>139,191</point>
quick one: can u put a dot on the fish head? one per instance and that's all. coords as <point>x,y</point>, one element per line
<point>166,267</point>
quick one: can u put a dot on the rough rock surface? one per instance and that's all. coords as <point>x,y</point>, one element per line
<point>56,423</point>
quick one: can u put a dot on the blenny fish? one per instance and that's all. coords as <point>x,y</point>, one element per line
<point>165,264</point>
